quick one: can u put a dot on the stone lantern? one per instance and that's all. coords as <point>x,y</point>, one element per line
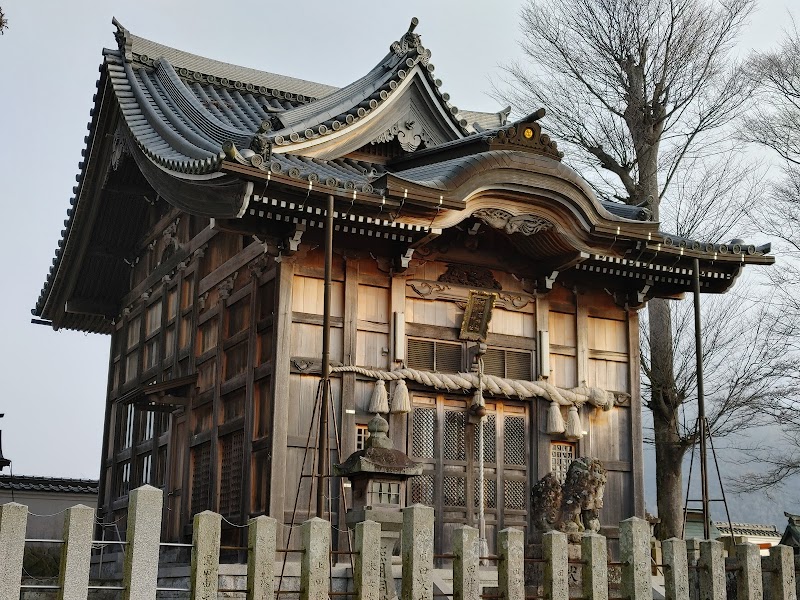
<point>378,475</point>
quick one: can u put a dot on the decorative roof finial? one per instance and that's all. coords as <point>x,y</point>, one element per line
<point>409,41</point>
<point>123,39</point>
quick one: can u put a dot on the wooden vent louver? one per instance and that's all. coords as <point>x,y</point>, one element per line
<point>508,363</point>
<point>427,355</point>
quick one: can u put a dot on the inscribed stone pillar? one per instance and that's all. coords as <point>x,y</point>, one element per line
<point>417,552</point>
<point>261,545</point>
<point>367,569</point>
<point>556,565</point>
<point>76,551</point>
<point>13,521</point>
<point>594,574</point>
<point>511,563</point>
<point>205,556</point>
<point>782,577</point>
<point>748,579</point>
<point>466,584</point>
<point>315,574</point>
<point>634,543</point>
<point>140,571</point>
<point>676,569</point>
<point>711,571</point>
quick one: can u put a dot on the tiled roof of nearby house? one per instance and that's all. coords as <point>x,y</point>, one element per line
<point>31,483</point>
<point>751,529</point>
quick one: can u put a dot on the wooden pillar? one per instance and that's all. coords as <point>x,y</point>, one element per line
<point>634,368</point>
<point>282,330</point>
<point>347,416</point>
<point>397,304</point>
<point>540,442</point>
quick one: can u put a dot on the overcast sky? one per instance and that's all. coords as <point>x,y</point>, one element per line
<point>54,383</point>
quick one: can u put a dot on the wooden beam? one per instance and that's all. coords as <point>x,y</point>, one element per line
<point>88,306</point>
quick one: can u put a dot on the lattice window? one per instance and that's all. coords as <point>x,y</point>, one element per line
<point>489,493</point>
<point>230,484</point>
<point>201,478</point>
<point>561,456</point>
<point>424,435</point>
<point>422,490</point>
<point>514,441</point>
<point>362,433</point>
<point>123,478</point>
<point>455,422</point>
<point>489,439</point>
<point>454,491</point>
<point>514,494</point>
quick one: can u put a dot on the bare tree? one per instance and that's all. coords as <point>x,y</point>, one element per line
<point>3,21</point>
<point>775,125</point>
<point>639,90</point>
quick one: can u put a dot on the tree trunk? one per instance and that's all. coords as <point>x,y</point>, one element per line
<point>664,405</point>
<point>669,479</point>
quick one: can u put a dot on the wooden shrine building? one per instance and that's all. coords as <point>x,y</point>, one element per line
<point>194,239</point>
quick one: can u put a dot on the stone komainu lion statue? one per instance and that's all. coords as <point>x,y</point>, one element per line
<point>572,508</point>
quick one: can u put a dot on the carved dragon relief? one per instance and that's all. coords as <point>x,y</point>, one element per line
<point>502,219</point>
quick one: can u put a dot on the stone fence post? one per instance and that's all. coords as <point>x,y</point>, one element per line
<point>511,563</point>
<point>261,545</point>
<point>205,556</point>
<point>634,542</point>
<point>13,522</point>
<point>315,573</point>
<point>140,571</point>
<point>748,578</point>
<point>556,566</point>
<point>76,552</point>
<point>466,549</point>
<point>781,580</point>
<point>594,573</point>
<point>417,553</point>
<point>368,561</point>
<point>711,570</point>
<point>676,569</point>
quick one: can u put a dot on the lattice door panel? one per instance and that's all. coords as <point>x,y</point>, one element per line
<point>230,484</point>
<point>201,478</point>
<point>443,439</point>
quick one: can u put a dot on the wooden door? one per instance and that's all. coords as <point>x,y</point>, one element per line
<point>443,439</point>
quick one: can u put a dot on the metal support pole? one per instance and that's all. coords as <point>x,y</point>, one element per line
<point>324,454</point>
<point>701,401</point>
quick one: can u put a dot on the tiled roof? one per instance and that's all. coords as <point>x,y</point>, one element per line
<point>143,49</point>
<point>753,529</point>
<point>181,109</point>
<point>30,483</point>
